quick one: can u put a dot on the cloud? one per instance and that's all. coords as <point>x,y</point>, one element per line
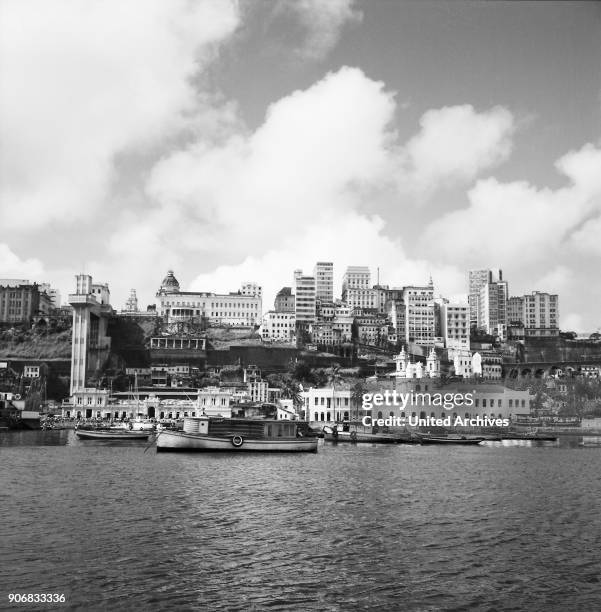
<point>298,184</point>
<point>83,82</point>
<point>11,266</point>
<point>520,224</point>
<point>323,23</point>
<point>454,144</point>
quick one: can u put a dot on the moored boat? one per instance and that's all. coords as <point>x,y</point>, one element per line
<point>462,440</point>
<point>236,434</point>
<point>110,433</point>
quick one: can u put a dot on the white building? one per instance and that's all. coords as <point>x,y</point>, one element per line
<point>455,325</point>
<point>537,312</point>
<point>213,401</point>
<point>492,308</point>
<point>324,281</point>
<point>278,326</point>
<point>355,277</point>
<point>420,320</point>
<point>304,290</point>
<point>328,404</point>
<point>477,279</point>
<point>405,368</point>
<point>233,309</point>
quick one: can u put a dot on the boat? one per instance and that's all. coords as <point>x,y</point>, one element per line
<point>453,439</point>
<point>110,433</point>
<point>235,435</point>
<point>336,434</point>
<point>450,440</point>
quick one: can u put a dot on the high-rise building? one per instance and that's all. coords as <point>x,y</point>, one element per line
<point>324,281</point>
<point>492,308</point>
<point>420,324</point>
<point>355,277</point>
<point>478,278</point>
<point>304,297</point>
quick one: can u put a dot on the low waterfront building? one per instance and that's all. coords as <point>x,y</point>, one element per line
<point>327,404</point>
<point>468,401</point>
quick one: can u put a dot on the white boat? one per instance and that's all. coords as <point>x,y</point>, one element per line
<point>224,434</point>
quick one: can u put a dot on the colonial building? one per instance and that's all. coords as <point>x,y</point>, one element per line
<point>328,404</point>
<point>405,368</point>
<point>240,309</point>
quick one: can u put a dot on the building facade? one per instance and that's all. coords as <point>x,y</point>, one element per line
<point>324,281</point>
<point>455,325</point>
<point>284,300</point>
<point>304,305</point>
<point>233,309</point>
<point>278,326</point>
<point>18,303</point>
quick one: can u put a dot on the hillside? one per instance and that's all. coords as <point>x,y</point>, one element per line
<point>32,344</point>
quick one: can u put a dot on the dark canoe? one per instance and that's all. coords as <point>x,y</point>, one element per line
<point>454,441</point>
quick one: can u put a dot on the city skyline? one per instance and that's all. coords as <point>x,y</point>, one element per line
<point>241,141</point>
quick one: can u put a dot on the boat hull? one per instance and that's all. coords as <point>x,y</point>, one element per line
<point>454,441</point>
<point>181,441</point>
<point>90,434</point>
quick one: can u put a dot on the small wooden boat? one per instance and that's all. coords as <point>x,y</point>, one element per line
<point>236,434</point>
<point>111,433</point>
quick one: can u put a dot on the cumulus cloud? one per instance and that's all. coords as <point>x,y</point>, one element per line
<point>82,82</point>
<point>12,266</point>
<point>455,143</point>
<point>518,223</point>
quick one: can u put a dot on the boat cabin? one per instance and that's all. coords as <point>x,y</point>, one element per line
<point>250,428</point>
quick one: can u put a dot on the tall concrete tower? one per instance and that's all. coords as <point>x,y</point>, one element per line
<point>90,344</point>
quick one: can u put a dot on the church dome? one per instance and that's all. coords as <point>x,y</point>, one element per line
<point>169,284</point>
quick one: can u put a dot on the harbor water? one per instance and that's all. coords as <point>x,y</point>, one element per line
<point>502,526</point>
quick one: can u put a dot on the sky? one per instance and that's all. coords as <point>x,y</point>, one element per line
<point>238,141</point>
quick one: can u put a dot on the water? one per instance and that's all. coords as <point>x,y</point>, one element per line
<point>497,527</point>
